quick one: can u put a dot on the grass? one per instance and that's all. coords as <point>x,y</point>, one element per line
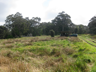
<point>89,39</point>
<point>46,54</point>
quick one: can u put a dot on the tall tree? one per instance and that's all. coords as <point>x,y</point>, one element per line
<point>16,24</point>
<point>62,21</point>
<point>92,25</point>
<point>3,32</point>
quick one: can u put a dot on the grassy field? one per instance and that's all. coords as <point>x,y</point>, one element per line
<point>48,54</point>
<point>89,39</point>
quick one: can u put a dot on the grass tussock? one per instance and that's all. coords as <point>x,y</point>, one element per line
<point>74,39</point>
<point>55,52</point>
<point>27,43</point>
<point>61,38</point>
<point>68,51</point>
<point>1,46</point>
<point>49,63</point>
<point>28,53</point>
<point>9,45</point>
<point>17,40</point>
<point>4,60</point>
<point>10,54</point>
<point>34,39</point>
<point>19,67</point>
<point>47,39</point>
<point>8,41</point>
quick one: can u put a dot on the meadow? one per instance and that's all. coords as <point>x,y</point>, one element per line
<point>48,54</point>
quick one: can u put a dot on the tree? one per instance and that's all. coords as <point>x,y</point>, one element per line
<point>92,25</point>
<point>3,32</point>
<point>52,33</point>
<point>76,30</point>
<point>34,26</point>
<point>16,24</point>
<point>62,22</point>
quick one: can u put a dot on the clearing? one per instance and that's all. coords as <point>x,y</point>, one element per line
<point>48,54</point>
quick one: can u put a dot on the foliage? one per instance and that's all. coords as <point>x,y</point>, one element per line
<point>62,22</point>
<point>4,33</point>
<point>18,26</point>
<point>52,33</point>
<point>92,25</point>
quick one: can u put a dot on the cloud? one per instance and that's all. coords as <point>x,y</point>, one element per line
<point>3,10</point>
<point>29,8</point>
<point>5,6</point>
<point>50,16</point>
<point>46,3</point>
<point>80,10</point>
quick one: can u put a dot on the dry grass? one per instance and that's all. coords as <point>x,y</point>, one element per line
<point>9,45</point>
<point>10,54</point>
<point>1,46</point>
<point>74,39</point>
<point>34,39</point>
<point>49,63</point>
<point>55,52</point>
<point>47,39</point>
<point>15,67</point>
<point>17,40</point>
<point>27,43</point>
<point>8,64</point>
<point>60,38</point>
<point>19,67</point>
<point>68,51</point>
<point>8,41</point>
<point>4,60</point>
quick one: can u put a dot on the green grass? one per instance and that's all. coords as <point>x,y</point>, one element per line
<point>57,54</point>
<point>89,40</point>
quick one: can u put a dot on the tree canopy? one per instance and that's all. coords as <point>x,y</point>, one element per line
<point>17,26</point>
<point>92,25</point>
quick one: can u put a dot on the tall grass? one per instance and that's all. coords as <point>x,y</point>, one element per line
<point>46,54</point>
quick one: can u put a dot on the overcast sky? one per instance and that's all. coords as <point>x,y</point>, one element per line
<point>80,10</point>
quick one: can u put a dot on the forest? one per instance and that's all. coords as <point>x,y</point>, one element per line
<point>17,26</point>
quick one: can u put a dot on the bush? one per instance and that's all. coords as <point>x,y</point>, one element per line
<point>52,33</point>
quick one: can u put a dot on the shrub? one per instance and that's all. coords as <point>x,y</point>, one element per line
<point>52,33</point>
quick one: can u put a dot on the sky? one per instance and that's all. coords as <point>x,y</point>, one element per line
<point>81,11</point>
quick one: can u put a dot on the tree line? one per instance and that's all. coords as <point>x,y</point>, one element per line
<point>17,26</point>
